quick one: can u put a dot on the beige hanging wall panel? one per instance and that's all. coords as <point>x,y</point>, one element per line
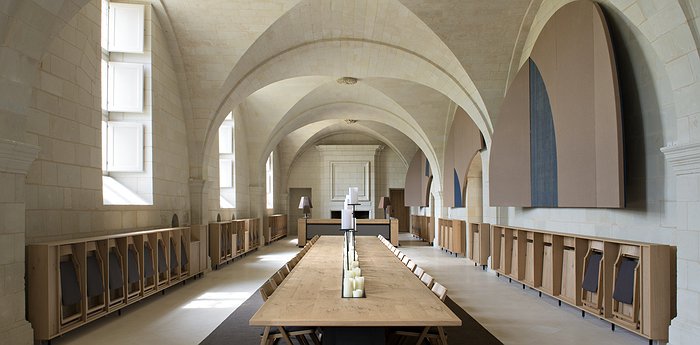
<point>418,178</point>
<point>558,142</point>
<point>463,143</point>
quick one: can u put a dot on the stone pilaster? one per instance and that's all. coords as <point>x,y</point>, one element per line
<point>685,160</point>
<point>15,159</point>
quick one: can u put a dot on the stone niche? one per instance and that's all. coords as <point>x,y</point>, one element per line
<point>345,166</point>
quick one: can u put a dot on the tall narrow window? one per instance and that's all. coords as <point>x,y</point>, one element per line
<point>227,164</point>
<point>269,182</point>
<point>126,119</point>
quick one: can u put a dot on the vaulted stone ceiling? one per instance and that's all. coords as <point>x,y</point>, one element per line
<point>222,45</point>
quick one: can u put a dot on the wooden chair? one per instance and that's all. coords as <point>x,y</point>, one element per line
<point>439,290</point>
<point>418,272</point>
<point>411,265</point>
<point>422,333</point>
<point>285,333</point>
<point>292,263</point>
<point>427,279</point>
<point>277,278</point>
<point>267,289</point>
<point>284,271</point>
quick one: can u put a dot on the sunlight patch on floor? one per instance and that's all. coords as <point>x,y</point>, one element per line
<point>218,300</point>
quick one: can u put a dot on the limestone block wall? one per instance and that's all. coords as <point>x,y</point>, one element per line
<point>64,188</point>
<point>307,171</point>
<point>64,185</point>
<point>391,173</point>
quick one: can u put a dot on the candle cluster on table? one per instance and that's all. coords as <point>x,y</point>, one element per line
<point>353,281</point>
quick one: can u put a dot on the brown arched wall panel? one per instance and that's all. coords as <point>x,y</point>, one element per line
<point>418,179</point>
<point>462,144</point>
<point>509,182</point>
<point>575,58</point>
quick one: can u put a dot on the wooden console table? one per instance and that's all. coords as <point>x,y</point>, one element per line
<point>308,228</point>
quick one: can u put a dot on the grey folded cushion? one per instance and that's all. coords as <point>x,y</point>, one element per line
<point>183,254</point>
<point>133,265</point>
<point>148,262</point>
<point>590,277</point>
<point>70,289</point>
<point>116,275</point>
<point>173,255</point>
<point>624,282</point>
<point>95,285</point>
<point>162,262</point>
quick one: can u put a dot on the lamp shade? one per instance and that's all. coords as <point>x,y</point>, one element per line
<point>384,202</point>
<point>305,203</point>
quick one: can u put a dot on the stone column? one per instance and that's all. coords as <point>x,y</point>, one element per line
<point>15,159</point>
<point>685,160</point>
<point>199,201</point>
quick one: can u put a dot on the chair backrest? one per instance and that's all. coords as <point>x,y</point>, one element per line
<point>418,272</point>
<point>411,265</point>
<point>439,290</point>
<point>267,289</point>
<point>405,260</point>
<point>292,263</point>
<point>284,271</point>
<point>427,279</point>
<point>277,278</point>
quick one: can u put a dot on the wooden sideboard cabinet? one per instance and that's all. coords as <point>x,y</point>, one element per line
<point>73,282</point>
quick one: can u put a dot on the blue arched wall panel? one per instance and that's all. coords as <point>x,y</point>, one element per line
<point>543,144</point>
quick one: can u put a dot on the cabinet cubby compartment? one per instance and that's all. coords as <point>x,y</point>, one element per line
<point>626,287</point>
<point>479,241</point>
<point>533,257</point>
<point>116,273</point>
<point>95,269</point>
<point>134,268</point>
<point>149,255</point>
<point>627,283</point>
<point>592,283</point>
<point>498,249</point>
<point>276,227</point>
<point>72,263</point>
<point>73,282</point>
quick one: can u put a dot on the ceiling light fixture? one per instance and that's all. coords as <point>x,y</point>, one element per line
<point>347,81</point>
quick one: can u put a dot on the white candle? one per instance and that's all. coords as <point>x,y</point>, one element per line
<point>355,264</point>
<point>346,203</point>
<point>358,272</point>
<point>349,274</point>
<point>353,194</point>
<point>357,293</point>
<point>360,283</point>
<point>348,286</point>
<point>346,219</point>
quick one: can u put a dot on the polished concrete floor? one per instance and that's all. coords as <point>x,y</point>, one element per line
<point>187,314</point>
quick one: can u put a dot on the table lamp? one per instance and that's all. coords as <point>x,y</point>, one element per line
<point>305,205</point>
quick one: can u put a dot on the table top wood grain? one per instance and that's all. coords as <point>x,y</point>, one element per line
<point>311,293</point>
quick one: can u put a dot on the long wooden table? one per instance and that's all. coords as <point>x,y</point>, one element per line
<point>311,293</point>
